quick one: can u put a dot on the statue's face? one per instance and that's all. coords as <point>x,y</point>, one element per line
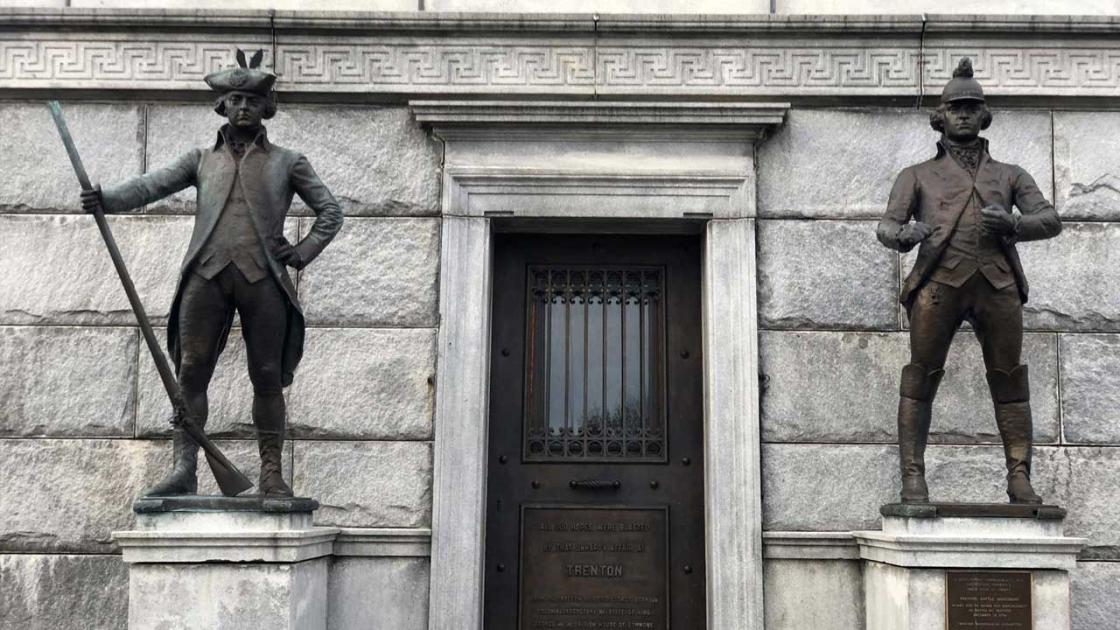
<point>245,110</point>
<point>963,118</point>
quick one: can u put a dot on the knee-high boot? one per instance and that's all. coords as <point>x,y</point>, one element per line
<point>269,415</point>
<point>183,478</point>
<point>915,404</point>
<point>1011,397</point>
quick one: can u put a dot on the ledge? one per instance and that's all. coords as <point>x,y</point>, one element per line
<point>960,552</point>
<point>457,22</point>
<point>809,546</point>
<point>277,545</point>
<point>383,543</point>
<point>247,546</point>
<point>755,116</point>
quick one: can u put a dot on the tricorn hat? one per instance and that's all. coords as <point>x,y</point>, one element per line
<point>246,77</point>
<point>962,87</point>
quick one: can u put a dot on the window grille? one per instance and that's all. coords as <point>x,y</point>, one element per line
<point>594,364</point>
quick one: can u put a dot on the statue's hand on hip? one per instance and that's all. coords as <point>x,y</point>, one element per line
<point>913,233</point>
<point>283,251</point>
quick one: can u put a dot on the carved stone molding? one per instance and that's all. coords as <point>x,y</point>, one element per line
<point>402,55</point>
<point>648,165</point>
<point>809,546</point>
<point>591,160</point>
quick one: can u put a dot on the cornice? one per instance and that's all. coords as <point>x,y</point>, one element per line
<point>449,113</point>
<point>454,23</point>
<point>403,56</point>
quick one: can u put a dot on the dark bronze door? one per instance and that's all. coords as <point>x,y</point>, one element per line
<point>595,502</point>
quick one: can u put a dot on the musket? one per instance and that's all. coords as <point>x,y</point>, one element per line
<point>230,480</point>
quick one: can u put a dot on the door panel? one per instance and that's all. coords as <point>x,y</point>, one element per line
<point>595,496</point>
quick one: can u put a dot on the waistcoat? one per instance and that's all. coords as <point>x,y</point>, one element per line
<point>970,250</point>
<point>234,240</point>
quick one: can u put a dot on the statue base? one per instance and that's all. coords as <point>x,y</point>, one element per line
<point>956,565</point>
<point>226,562</point>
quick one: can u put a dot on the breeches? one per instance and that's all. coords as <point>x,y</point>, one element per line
<point>996,317</point>
<point>204,310</point>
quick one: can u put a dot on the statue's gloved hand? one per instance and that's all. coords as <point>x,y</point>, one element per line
<point>995,220</point>
<point>91,199</point>
<point>283,251</point>
<point>913,233</point>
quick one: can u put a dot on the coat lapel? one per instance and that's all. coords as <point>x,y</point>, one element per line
<point>215,181</point>
<point>960,182</point>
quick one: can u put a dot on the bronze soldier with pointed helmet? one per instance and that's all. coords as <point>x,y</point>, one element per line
<point>237,259</point>
<point>966,212</point>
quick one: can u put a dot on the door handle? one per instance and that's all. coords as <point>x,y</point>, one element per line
<point>595,484</point>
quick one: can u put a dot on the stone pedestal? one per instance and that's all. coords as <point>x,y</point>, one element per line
<point>226,562</point>
<point>934,564</point>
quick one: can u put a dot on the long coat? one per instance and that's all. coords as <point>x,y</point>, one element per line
<point>938,190</point>
<point>269,175</point>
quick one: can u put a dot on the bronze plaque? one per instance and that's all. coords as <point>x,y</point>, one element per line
<point>983,600</point>
<point>594,568</point>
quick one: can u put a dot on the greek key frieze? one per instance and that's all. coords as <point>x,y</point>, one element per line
<point>432,64</point>
<point>58,62</point>
<point>1010,70</point>
<point>771,67</point>
<point>555,67</point>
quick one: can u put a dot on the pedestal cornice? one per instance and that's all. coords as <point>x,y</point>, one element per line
<point>976,539</point>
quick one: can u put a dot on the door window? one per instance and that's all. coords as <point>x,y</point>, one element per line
<point>594,364</point>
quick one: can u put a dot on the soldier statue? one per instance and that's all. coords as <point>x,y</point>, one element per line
<point>967,269</point>
<point>236,260</point>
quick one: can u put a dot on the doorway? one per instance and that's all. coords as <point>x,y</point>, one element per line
<point>595,497</point>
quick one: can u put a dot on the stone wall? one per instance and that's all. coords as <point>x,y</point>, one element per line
<point>82,412</point>
<point>833,338</point>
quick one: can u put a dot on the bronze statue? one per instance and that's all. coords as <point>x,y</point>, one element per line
<point>236,260</point>
<point>967,269</point>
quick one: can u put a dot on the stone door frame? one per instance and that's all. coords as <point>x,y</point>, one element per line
<point>565,165</point>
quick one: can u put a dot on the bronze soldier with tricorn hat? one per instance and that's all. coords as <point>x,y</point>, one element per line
<point>958,207</point>
<point>236,260</point>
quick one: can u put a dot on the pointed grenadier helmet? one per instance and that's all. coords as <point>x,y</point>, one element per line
<point>962,87</point>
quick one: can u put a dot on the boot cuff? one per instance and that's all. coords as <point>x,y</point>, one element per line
<point>919,383</point>
<point>1009,387</point>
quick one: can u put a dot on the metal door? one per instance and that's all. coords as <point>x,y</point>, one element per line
<point>595,506</point>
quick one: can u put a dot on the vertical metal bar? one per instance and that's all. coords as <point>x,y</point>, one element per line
<point>662,362</point>
<point>586,293</point>
<point>531,361</point>
<point>622,354</point>
<point>642,359</point>
<point>548,364</point>
<point>603,370</point>
<point>567,357</point>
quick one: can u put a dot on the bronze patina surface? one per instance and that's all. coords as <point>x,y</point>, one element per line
<point>236,260</point>
<point>973,510</point>
<point>988,600</point>
<point>595,568</point>
<point>966,212</point>
<point>595,497</point>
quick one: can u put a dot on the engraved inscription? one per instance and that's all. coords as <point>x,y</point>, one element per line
<point>591,568</point>
<point>983,600</point>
